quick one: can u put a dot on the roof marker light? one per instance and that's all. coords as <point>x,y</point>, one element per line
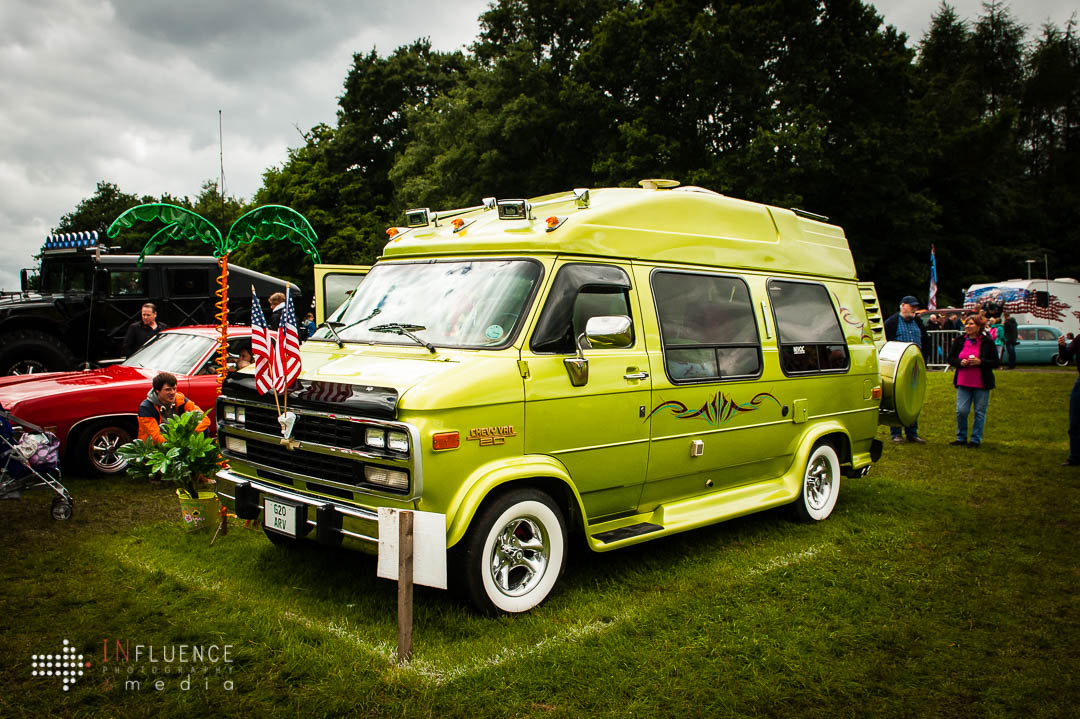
<point>391,231</point>
<point>554,222</point>
<point>458,223</point>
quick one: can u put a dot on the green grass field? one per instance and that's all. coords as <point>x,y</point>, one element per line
<point>944,585</point>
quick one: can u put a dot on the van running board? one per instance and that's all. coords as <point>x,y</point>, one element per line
<point>634,530</point>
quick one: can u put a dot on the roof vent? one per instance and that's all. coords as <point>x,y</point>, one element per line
<point>658,184</point>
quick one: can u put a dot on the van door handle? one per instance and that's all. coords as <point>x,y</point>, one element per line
<point>637,375</point>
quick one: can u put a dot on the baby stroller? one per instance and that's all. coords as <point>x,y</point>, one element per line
<point>29,458</point>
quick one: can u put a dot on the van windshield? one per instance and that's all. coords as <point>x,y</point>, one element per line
<point>459,303</point>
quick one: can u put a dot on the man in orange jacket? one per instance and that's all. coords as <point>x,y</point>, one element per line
<point>161,403</point>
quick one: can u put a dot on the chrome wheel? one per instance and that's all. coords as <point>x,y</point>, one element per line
<point>519,556</point>
<point>820,485</point>
<point>101,449</point>
<point>514,552</point>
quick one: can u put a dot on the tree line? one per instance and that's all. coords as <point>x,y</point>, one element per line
<point>967,139</point>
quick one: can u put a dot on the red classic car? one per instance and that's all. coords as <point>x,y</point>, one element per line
<point>93,412</point>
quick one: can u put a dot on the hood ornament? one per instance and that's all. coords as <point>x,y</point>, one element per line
<point>287,421</point>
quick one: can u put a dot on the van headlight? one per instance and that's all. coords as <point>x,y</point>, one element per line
<point>233,413</point>
<point>375,437</point>
<point>382,438</point>
<point>397,441</point>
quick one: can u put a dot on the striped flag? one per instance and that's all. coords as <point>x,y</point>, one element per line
<point>287,352</point>
<point>327,392</point>
<point>260,346</point>
<point>932,302</point>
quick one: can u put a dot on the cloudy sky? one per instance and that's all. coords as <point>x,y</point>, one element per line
<point>128,91</point>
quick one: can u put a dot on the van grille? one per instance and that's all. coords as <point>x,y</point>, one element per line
<point>308,428</point>
<point>310,464</point>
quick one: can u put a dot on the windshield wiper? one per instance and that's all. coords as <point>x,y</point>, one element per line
<point>398,328</point>
<point>335,326</point>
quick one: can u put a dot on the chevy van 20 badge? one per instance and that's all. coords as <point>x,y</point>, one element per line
<point>618,364</point>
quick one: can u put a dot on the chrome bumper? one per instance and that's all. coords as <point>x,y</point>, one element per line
<point>332,521</point>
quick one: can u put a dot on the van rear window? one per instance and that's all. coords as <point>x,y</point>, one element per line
<point>808,329</point>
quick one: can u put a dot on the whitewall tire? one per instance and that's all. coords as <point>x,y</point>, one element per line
<point>820,485</point>
<point>515,552</point>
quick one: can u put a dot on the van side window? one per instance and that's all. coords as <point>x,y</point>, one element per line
<point>337,287</point>
<point>1045,334</point>
<point>707,325</point>
<point>807,328</point>
<point>1026,334</point>
<point>580,291</point>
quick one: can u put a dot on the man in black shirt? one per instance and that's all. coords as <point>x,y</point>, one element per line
<point>146,327</point>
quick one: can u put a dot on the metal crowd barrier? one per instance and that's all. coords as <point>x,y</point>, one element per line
<point>940,342</point>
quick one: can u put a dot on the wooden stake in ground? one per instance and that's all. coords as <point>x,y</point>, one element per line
<point>223,524</point>
<point>405,587</point>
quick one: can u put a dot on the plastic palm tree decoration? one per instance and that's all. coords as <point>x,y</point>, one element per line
<point>269,222</point>
<point>180,224</point>
<point>273,222</point>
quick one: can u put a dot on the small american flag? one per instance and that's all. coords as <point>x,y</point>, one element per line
<point>260,346</point>
<point>287,352</point>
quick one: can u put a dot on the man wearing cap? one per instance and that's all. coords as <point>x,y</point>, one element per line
<point>905,327</point>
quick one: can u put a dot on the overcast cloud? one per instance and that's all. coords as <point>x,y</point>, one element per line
<point>128,91</point>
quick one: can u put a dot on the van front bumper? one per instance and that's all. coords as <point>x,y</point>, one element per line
<point>328,522</point>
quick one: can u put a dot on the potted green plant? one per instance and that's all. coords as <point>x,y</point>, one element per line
<point>186,458</point>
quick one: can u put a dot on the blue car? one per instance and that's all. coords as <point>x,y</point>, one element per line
<point>1037,344</point>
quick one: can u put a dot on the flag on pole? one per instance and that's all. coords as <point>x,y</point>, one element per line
<point>260,346</point>
<point>287,352</point>
<point>931,303</point>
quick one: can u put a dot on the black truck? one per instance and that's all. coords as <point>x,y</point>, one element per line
<point>76,310</point>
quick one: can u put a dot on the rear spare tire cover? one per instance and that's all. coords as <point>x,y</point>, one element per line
<point>903,383</point>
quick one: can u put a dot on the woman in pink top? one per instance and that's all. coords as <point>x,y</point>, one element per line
<point>974,356</point>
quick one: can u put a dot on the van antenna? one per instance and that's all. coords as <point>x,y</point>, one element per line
<point>221,157</point>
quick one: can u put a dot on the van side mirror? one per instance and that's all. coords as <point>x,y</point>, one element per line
<point>602,331</point>
<point>609,331</point>
<point>1042,298</point>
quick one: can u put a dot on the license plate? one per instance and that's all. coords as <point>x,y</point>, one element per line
<point>281,517</point>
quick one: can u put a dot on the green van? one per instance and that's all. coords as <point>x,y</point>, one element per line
<point>620,364</point>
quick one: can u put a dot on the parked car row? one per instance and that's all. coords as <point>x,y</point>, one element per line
<point>93,412</point>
